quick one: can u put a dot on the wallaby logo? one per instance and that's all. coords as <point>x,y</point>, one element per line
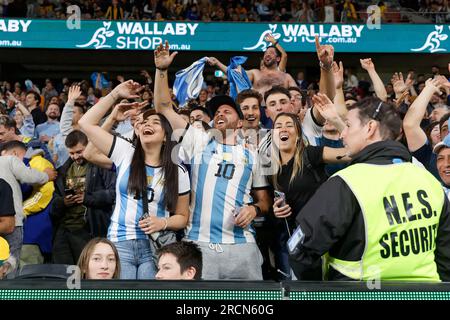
<point>98,40</point>
<point>261,42</point>
<point>433,41</point>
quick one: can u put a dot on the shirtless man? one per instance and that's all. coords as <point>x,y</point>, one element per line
<point>263,80</point>
<point>269,74</point>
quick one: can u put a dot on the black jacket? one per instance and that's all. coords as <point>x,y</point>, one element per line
<point>99,197</point>
<point>332,221</point>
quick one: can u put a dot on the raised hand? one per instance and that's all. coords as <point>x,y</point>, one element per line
<point>212,61</point>
<point>11,97</point>
<point>124,110</point>
<point>325,53</point>
<point>127,90</point>
<point>269,38</point>
<point>436,83</point>
<point>325,106</point>
<point>162,57</point>
<point>74,94</point>
<point>399,84</point>
<point>338,74</point>
<point>120,78</point>
<point>367,64</point>
<point>145,74</point>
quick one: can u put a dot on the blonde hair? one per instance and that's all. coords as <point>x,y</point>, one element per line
<point>297,167</point>
<point>85,256</point>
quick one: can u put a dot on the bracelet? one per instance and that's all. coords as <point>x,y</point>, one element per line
<point>162,69</point>
<point>276,42</point>
<point>324,67</point>
<point>165,223</point>
<point>113,96</point>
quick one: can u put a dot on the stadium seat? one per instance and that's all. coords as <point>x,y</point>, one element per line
<point>43,271</point>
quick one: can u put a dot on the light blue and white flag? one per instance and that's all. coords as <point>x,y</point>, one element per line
<point>188,82</point>
<point>238,78</point>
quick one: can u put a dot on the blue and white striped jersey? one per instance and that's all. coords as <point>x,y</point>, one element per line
<point>222,177</point>
<point>128,210</point>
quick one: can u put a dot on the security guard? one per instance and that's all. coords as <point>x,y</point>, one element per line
<point>380,218</point>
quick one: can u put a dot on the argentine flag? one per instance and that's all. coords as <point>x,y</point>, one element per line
<point>188,82</point>
<point>238,79</point>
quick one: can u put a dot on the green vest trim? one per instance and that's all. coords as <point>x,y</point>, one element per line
<point>401,206</point>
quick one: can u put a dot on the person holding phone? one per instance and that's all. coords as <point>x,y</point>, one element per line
<point>299,173</point>
<point>146,165</point>
<point>83,200</point>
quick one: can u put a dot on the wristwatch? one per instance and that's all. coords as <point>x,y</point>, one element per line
<point>257,208</point>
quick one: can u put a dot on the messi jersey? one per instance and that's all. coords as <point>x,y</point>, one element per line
<point>128,210</point>
<point>222,177</point>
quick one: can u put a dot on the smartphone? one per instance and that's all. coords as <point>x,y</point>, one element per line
<point>69,192</point>
<point>297,238</point>
<point>279,194</point>
<point>236,211</point>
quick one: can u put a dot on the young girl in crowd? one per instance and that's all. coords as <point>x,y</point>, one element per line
<point>99,260</point>
<point>146,164</point>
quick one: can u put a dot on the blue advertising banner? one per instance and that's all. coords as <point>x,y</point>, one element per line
<point>197,36</point>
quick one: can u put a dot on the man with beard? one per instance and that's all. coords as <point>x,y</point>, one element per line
<point>222,177</point>
<point>47,130</point>
<point>250,101</point>
<point>82,205</point>
<point>269,76</point>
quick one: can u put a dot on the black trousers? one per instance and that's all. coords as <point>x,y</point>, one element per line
<point>67,245</point>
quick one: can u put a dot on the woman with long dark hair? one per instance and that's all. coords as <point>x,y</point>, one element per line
<point>143,169</point>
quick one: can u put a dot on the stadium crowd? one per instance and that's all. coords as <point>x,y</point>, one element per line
<point>139,164</point>
<point>328,11</point>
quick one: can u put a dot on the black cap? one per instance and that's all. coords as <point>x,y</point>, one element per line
<point>197,107</point>
<point>218,101</point>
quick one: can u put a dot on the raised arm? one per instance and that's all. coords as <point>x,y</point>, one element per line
<point>18,104</point>
<point>401,86</point>
<point>28,123</point>
<point>65,126</point>
<point>91,152</point>
<point>325,53</point>
<point>120,112</point>
<point>101,138</point>
<point>284,57</point>
<point>328,111</point>
<point>415,136</point>
<point>378,84</point>
<point>162,99</point>
<point>214,62</point>
<point>339,99</point>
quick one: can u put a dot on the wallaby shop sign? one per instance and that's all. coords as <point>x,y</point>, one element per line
<point>196,36</point>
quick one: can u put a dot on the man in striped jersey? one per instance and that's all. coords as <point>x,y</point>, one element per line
<point>223,175</point>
